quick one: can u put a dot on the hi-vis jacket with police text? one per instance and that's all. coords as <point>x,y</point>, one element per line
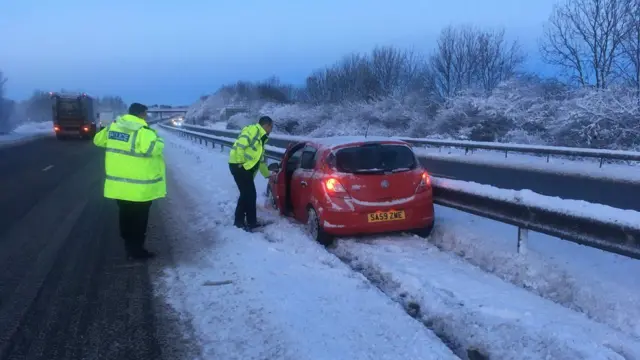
<point>248,149</point>
<point>133,162</point>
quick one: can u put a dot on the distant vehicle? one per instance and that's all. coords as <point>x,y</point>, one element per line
<point>178,121</point>
<point>73,116</point>
<point>353,186</point>
<point>105,118</point>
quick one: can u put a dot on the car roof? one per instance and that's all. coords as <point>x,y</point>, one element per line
<point>336,142</point>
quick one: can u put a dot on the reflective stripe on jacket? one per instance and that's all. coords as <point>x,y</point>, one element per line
<point>248,149</point>
<point>135,168</point>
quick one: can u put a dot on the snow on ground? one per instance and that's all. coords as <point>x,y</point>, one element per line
<point>455,291</point>
<point>561,165</point>
<point>602,285</point>
<point>288,298</point>
<point>27,132</point>
<point>604,213</point>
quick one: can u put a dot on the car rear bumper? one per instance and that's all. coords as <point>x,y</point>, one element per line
<point>418,215</point>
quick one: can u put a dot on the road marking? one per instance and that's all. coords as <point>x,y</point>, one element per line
<point>47,168</point>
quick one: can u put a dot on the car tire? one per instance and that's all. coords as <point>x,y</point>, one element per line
<point>271,200</point>
<point>315,229</point>
<point>426,231</point>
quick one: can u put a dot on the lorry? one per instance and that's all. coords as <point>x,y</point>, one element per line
<point>74,116</point>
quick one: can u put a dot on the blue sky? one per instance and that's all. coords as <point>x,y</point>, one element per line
<point>174,51</point>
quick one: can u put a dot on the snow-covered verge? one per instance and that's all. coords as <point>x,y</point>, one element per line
<point>603,213</point>
<point>523,111</point>
<point>27,132</point>
<point>469,307</point>
<point>251,296</point>
<point>601,285</point>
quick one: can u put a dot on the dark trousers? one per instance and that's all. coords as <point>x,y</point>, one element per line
<point>246,207</point>
<point>134,217</point>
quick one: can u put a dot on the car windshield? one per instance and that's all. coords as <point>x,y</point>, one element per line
<point>375,158</point>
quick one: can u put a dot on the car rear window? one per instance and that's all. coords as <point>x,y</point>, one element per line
<point>374,158</point>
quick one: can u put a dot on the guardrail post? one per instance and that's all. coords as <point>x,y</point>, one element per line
<point>523,238</point>
<point>601,161</point>
<point>466,150</point>
<point>548,157</point>
<point>505,153</point>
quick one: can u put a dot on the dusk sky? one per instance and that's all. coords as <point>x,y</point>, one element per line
<point>175,51</point>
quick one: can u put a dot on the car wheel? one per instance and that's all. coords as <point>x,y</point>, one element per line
<point>315,230</point>
<point>426,231</point>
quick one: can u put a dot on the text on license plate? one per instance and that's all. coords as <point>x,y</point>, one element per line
<point>386,216</point>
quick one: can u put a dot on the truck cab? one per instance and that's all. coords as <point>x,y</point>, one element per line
<point>73,116</point>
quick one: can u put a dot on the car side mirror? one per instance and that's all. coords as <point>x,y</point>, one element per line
<point>274,167</point>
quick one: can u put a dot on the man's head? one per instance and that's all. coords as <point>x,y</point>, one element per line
<point>266,123</point>
<point>139,110</point>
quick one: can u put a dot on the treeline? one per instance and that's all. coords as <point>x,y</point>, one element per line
<point>472,84</point>
<point>594,43</point>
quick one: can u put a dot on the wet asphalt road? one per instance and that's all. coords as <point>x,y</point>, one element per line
<point>66,290</point>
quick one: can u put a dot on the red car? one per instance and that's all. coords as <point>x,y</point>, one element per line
<point>353,186</point>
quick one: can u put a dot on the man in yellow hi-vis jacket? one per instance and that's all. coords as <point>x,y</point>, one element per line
<point>245,160</point>
<point>135,174</point>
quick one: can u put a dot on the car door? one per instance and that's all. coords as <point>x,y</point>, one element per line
<point>290,159</point>
<point>302,182</point>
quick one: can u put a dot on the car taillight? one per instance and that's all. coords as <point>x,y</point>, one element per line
<point>334,187</point>
<point>425,183</point>
<point>86,128</point>
<point>56,128</point>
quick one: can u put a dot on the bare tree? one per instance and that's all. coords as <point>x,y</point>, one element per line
<point>497,59</point>
<point>629,59</point>
<point>468,57</point>
<point>584,38</point>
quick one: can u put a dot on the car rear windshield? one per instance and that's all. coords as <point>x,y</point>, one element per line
<point>69,107</point>
<point>375,158</point>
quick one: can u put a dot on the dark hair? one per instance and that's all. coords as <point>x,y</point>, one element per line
<point>137,109</point>
<point>265,120</point>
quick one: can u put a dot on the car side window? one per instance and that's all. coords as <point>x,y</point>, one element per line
<point>294,160</point>
<point>308,158</point>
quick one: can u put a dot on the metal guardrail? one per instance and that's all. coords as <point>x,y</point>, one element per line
<point>605,235</point>
<point>601,154</point>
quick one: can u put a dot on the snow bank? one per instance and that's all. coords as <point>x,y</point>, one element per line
<point>601,285</point>
<point>26,132</point>
<point>604,213</point>
<point>466,305</point>
<point>273,295</point>
<point>478,310</point>
<point>34,128</point>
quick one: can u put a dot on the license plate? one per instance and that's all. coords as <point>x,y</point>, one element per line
<point>382,216</point>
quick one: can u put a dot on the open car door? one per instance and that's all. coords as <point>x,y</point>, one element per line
<point>282,180</point>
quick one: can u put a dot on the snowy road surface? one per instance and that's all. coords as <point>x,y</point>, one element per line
<point>379,301</point>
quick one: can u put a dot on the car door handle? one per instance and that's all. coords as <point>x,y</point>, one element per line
<point>303,183</point>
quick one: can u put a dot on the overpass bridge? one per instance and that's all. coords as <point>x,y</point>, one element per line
<point>162,114</point>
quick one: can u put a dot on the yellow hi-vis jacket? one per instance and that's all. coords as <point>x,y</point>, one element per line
<point>133,162</point>
<point>248,149</point>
